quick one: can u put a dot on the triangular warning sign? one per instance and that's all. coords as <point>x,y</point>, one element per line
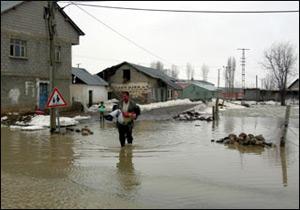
<point>56,99</point>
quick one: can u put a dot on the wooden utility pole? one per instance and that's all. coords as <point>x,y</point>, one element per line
<point>285,125</point>
<point>256,91</point>
<point>51,29</point>
<point>217,100</point>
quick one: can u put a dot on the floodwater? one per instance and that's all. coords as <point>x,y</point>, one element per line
<point>172,164</point>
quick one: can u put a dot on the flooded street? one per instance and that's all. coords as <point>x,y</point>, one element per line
<point>171,164</point>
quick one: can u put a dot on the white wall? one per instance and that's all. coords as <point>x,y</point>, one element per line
<point>80,93</point>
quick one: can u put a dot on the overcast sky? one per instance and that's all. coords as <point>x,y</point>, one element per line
<point>179,38</point>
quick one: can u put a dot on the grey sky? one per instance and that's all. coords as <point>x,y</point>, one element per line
<point>180,37</point>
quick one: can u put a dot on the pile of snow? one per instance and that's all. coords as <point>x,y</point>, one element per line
<point>262,102</point>
<point>4,118</point>
<point>145,107</point>
<point>40,122</point>
<point>44,120</point>
<point>151,106</point>
<point>79,117</point>
<point>233,105</point>
<point>203,109</point>
<point>21,123</point>
<point>32,128</point>
<point>93,108</point>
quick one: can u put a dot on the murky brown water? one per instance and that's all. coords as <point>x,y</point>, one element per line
<point>171,165</point>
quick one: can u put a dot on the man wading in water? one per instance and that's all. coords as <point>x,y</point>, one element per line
<point>129,112</point>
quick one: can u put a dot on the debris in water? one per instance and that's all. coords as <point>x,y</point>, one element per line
<point>245,140</point>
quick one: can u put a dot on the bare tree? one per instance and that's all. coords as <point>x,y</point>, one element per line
<point>268,82</point>
<point>157,65</point>
<point>204,70</point>
<point>279,60</point>
<point>189,71</point>
<point>174,71</point>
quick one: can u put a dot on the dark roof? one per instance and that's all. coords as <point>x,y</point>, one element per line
<point>291,85</point>
<point>154,73</point>
<point>7,5</point>
<point>87,78</point>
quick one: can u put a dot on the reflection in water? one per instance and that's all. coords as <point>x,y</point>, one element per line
<point>228,125</point>
<point>258,150</point>
<point>102,123</point>
<point>283,166</point>
<point>61,156</point>
<point>215,123</point>
<point>50,156</point>
<point>126,172</point>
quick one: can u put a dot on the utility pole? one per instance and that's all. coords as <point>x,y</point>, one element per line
<point>243,62</point>
<point>256,90</point>
<point>218,78</point>
<point>217,100</point>
<point>51,29</point>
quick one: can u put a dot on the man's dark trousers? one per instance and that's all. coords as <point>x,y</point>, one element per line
<point>125,132</point>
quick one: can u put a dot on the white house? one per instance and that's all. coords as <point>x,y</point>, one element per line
<point>86,88</point>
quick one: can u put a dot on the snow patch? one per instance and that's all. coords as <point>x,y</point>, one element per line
<point>4,118</point>
<point>32,128</point>
<point>44,121</point>
<point>145,107</point>
<point>79,117</point>
<point>151,106</point>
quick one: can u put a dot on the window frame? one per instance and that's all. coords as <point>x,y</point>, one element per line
<point>18,48</point>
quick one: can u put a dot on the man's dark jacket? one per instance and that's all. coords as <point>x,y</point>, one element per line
<point>131,108</point>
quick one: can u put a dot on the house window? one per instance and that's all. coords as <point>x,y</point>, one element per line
<point>126,75</point>
<point>57,53</point>
<point>18,48</point>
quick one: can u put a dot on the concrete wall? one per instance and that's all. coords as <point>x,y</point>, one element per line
<point>253,94</point>
<point>80,93</point>
<point>142,88</point>
<point>26,22</point>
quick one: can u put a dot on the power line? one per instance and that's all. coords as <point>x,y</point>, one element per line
<point>134,43</point>
<point>189,11</point>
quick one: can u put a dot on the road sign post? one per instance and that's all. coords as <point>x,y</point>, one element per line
<point>58,122</point>
<point>56,100</point>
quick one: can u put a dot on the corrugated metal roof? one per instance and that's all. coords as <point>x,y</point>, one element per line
<point>88,78</point>
<point>6,5</point>
<point>205,86</point>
